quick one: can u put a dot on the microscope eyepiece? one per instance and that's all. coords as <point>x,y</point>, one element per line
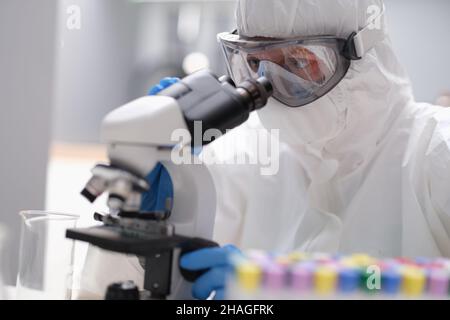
<point>256,92</point>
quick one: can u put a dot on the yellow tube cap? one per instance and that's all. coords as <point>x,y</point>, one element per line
<point>362,260</point>
<point>249,276</point>
<point>325,280</point>
<point>297,257</point>
<point>414,281</point>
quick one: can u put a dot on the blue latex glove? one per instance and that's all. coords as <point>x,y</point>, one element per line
<point>161,187</point>
<point>217,260</point>
<point>163,84</point>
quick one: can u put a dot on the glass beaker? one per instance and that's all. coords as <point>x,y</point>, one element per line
<point>46,257</point>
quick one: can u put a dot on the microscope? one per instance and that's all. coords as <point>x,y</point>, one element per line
<point>139,136</point>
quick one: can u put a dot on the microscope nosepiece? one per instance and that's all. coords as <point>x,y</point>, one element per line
<point>88,195</point>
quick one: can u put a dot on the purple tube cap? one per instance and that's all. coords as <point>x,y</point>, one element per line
<point>302,276</point>
<point>438,282</point>
<point>274,276</point>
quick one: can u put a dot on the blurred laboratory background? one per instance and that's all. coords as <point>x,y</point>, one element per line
<point>65,64</point>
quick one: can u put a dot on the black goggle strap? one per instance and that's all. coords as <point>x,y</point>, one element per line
<point>359,43</point>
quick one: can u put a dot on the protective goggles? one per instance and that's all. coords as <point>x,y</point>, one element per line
<point>301,70</point>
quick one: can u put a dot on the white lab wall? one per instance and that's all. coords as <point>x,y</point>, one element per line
<point>94,64</point>
<point>420,31</point>
<point>26,70</point>
<point>123,48</point>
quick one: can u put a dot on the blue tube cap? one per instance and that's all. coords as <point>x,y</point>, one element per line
<point>391,280</point>
<point>349,280</point>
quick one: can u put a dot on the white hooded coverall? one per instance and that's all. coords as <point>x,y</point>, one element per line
<point>364,169</point>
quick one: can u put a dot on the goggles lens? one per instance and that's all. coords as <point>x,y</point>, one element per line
<point>300,72</point>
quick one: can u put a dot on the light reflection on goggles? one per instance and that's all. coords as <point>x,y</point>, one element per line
<point>301,71</point>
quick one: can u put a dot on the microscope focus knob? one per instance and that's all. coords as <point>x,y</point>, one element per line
<point>122,291</point>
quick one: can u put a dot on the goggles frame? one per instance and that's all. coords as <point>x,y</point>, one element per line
<point>345,50</point>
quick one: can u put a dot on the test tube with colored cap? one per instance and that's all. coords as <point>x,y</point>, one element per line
<point>322,258</point>
<point>325,280</point>
<point>414,281</point>
<point>249,276</point>
<point>302,276</point>
<point>391,280</point>
<point>362,260</point>
<point>349,279</point>
<point>438,283</point>
<point>258,256</point>
<point>405,261</point>
<point>422,261</point>
<point>274,276</point>
<point>297,257</point>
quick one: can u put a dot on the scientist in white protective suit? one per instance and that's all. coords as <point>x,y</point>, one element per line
<point>363,166</point>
